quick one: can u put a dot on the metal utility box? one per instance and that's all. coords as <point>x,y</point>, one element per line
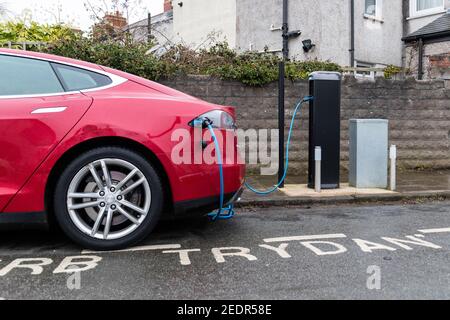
<point>325,127</point>
<point>368,153</point>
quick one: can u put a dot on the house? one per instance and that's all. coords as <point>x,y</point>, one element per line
<point>427,42</point>
<point>356,33</point>
<point>111,25</point>
<point>161,29</point>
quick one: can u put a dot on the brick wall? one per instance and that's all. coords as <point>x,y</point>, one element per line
<point>434,60</point>
<point>439,66</point>
<point>419,113</point>
<point>167,5</point>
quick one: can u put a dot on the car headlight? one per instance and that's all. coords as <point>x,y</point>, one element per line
<point>219,119</point>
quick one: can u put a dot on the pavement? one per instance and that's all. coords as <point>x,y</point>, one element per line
<point>370,251</point>
<point>416,184</point>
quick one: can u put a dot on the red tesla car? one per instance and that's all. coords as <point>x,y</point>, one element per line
<point>90,148</point>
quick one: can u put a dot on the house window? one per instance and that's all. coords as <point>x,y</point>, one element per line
<point>363,70</point>
<point>424,7</point>
<point>373,8</point>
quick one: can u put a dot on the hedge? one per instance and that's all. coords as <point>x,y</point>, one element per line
<point>250,68</point>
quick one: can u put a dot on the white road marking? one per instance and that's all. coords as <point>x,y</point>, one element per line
<point>369,246</point>
<point>281,250</point>
<point>412,240</point>
<point>78,264</point>
<point>141,248</point>
<point>306,238</point>
<point>311,246</point>
<point>34,264</point>
<point>240,251</point>
<point>441,230</point>
<point>184,255</point>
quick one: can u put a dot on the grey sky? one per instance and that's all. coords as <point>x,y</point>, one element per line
<point>73,11</point>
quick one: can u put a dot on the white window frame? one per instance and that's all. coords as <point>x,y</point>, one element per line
<point>417,13</point>
<point>378,10</point>
<point>360,75</point>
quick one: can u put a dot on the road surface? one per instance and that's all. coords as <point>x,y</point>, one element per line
<point>331,252</point>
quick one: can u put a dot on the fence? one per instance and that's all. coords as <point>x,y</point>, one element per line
<point>22,45</point>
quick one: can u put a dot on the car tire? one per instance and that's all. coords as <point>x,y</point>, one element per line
<point>75,222</point>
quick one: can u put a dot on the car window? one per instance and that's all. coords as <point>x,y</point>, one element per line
<point>25,76</point>
<point>75,79</point>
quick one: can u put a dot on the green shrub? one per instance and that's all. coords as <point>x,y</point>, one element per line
<point>300,70</point>
<point>128,57</point>
<point>34,32</point>
<point>249,68</point>
<point>220,61</point>
<point>391,71</point>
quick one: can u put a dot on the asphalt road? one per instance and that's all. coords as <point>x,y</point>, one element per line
<point>339,267</point>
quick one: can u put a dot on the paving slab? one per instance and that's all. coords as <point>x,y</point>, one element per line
<point>410,185</point>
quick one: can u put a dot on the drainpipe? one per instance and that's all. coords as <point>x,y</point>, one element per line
<point>420,75</point>
<point>352,33</point>
<point>149,27</point>
<point>281,92</point>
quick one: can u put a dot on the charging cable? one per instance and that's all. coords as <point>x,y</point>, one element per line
<point>288,144</point>
<point>227,212</point>
<point>224,213</point>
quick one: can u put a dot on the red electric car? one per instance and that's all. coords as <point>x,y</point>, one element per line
<point>90,148</point>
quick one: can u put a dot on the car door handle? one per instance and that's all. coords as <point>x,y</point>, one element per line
<point>49,110</point>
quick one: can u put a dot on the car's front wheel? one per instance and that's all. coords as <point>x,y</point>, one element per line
<point>108,198</point>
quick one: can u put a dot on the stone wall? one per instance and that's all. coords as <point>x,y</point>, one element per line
<point>419,113</point>
<point>436,60</point>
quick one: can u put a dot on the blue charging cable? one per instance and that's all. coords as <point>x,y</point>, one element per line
<point>225,213</point>
<point>288,144</point>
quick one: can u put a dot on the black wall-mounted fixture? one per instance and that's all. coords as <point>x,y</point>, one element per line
<point>180,4</point>
<point>293,34</point>
<point>308,45</point>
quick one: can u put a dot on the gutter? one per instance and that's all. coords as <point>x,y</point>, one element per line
<point>430,36</point>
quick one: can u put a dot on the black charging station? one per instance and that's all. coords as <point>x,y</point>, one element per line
<point>325,127</point>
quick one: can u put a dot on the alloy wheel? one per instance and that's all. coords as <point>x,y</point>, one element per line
<point>108,199</point>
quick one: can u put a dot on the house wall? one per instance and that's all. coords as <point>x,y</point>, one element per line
<point>418,114</point>
<point>415,23</point>
<point>326,23</point>
<point>246,25</point>
<point>162,29</point>
<point>434,60</point>
<point>195,20</point>
<point>379,41</point>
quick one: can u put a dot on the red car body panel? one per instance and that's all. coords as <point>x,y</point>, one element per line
<point>26,139</point>
<point>137,110</point>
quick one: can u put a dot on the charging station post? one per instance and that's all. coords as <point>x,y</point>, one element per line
<point>325,127</point>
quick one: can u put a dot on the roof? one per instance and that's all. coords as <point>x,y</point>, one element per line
<point>436,29</point>
<point>162,17</point>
